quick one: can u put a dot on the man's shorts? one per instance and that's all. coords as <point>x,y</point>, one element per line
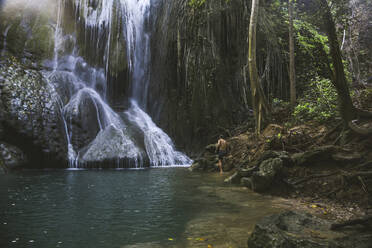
<point>221,154</point>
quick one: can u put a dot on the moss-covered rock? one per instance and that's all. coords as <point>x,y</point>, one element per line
<point>11,157</point>
<point>28,28</point>
<point>31,114</point>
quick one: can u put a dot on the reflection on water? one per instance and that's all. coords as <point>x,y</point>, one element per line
<point>127,208</point>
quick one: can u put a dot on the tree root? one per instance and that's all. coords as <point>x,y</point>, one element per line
<point>365,221</point>
<point>359,130</point>
<point>360,173</point>
<point>313,177</point>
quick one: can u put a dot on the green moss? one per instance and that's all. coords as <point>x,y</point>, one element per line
<point>41,43</point>
<point>195,4</point>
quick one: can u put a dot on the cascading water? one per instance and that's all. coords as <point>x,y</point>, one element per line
<point>158,145</point>
<point>95,133</point>
<point>5,34</point>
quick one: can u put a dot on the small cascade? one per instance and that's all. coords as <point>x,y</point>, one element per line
<point>138,38</point>
<point>158,144</point>
<point>99,18</point>
<point>58,35</point>
<point>5,34</point>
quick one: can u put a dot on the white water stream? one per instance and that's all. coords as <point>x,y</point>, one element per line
<point>5,34</point>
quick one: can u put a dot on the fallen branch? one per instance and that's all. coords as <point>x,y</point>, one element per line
<point>360,173</point>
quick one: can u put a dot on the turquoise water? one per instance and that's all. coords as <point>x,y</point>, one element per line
<point>127,208</point>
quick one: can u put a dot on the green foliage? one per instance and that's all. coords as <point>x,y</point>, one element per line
<point>196,3</point>
<point>318,103</point>
<point>308,37</point>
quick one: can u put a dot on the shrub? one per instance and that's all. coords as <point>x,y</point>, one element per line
<point>318,103</point>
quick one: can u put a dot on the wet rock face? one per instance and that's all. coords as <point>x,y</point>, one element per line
<point>30,113</point>
<point>292,229</point>
<point>11,157</point>
<point>198,56</point>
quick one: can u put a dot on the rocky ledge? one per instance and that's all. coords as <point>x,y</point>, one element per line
<point>294,229</point>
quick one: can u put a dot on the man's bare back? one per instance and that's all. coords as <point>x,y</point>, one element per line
<point>222,145</point>
<point>221,148</point>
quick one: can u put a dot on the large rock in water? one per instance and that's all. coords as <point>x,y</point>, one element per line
<point>11,156</point>
<point>30,114</point>
<point>111,144</point>
<point>299,230</point>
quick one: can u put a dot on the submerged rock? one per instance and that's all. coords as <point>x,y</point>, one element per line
<point>292,229</point>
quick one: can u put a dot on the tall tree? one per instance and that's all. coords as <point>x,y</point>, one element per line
<point>292,72</point>
<point>347,109</point>
<point>259,103</point>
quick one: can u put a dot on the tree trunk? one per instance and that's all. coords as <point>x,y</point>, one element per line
<point>259,104</point>
<point>292,72</point>
<point>347,110</point>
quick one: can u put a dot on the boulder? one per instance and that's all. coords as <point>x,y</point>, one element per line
<point>111,144</point>
<point>300,230</point>
<point>208,161</point>
<point>263,179</point>
<point>11,157</point>
<point>31,113</point>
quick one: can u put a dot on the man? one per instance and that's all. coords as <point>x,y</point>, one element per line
<point>221,148</point>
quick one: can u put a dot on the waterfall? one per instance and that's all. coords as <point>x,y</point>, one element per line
<point>5,34</point>
<point>95,133</point>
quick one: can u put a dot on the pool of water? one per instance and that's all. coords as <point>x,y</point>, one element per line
<point>127,208</point>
